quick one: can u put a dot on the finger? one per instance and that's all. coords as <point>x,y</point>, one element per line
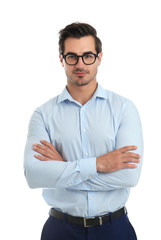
<point>46,143</point>
<point>42,158</point>
<point>132,160</point>
<point>43,147</point>
<point>43,151</point>
<point>127,148</point>
<point>131,154</point>
<point>132,166</point>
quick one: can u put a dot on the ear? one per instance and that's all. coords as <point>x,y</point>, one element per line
<point>61,60</point>
<point>100,58</point>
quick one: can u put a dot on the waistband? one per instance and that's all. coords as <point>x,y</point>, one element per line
<point>88,222</point>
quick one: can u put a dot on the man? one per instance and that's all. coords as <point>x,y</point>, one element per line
<point>84,148</point>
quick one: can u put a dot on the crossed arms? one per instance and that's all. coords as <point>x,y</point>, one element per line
<point>110,162</point>
<point>45,167</point>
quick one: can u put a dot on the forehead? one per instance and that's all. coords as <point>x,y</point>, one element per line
<point>80,45</point>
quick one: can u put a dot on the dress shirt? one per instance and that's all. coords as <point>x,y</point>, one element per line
<point>80,133</point>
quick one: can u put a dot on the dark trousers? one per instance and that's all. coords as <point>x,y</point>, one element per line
<point>118,229</point>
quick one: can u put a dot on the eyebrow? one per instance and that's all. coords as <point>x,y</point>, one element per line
<point>82,53</point>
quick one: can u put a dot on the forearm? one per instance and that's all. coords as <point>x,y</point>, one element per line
<point>124,178</point>
<point>56,174</point>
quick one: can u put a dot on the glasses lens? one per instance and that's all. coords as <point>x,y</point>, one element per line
<point>89,58</point>
<point>71,59</point>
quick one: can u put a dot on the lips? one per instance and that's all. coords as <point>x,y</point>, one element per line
<point>80,73</point>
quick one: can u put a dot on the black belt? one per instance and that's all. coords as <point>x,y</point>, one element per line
<point>88,222</point>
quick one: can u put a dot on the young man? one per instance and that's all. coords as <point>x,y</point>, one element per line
<point>84,148</point>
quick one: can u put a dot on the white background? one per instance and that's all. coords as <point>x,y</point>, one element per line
<point>30,74</point>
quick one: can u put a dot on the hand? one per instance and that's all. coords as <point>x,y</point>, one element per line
<point>118,159</point>
<point>47,151</point>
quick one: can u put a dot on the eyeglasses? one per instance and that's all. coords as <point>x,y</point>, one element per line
<point>87,58</point>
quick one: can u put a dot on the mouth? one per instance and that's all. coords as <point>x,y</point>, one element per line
<point>80,73</point>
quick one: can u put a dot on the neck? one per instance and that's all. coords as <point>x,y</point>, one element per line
<point>82,94</point>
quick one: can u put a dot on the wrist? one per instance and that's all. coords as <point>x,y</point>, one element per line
<point>99,164</point>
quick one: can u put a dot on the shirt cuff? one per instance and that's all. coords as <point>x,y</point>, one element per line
<point>87,168</point>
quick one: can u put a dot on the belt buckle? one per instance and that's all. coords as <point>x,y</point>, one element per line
<point>85,222</point>
<point>86,219</point>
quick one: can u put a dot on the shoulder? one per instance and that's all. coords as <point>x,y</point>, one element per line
<point>48,107</point>
<point>117,101</point>
<point>115,98</point>
<point>120,105</point>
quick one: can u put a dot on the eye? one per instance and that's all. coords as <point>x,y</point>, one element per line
<point>71,57</point>
<point>88,56</point>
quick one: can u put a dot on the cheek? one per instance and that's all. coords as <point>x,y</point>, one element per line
<point>93,70</point>
<point>68,69</point>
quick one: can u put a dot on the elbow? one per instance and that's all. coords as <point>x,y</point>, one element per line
<point>132,184</point>
<point>31,181</point>
<point>31,184</point>
<point>132,180</point>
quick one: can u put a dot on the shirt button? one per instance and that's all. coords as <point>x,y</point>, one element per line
<point>91,198</point>
<point>86,154</point>
<point>84,130</point>
<point>93,188</point>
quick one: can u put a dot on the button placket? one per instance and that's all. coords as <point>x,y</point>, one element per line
<point>86,154</point>
<point>84,133</point>
<point>91,203</point>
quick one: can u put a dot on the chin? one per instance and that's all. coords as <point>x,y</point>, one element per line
<point>82,83</point>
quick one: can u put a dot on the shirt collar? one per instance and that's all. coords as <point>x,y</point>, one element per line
<point>65,95</point>
<point>100,93</point>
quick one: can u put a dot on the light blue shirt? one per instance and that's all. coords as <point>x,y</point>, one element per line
<point>80,134</point>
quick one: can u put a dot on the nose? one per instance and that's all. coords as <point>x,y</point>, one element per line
<point>80,62</point>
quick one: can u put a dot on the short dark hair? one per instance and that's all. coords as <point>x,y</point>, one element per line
<point>78,30</point>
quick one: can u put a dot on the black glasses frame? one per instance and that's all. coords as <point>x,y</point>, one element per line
<point>78,56</point>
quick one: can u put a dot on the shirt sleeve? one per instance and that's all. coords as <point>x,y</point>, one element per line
<point>129,132</point>
<point>52,174</point>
